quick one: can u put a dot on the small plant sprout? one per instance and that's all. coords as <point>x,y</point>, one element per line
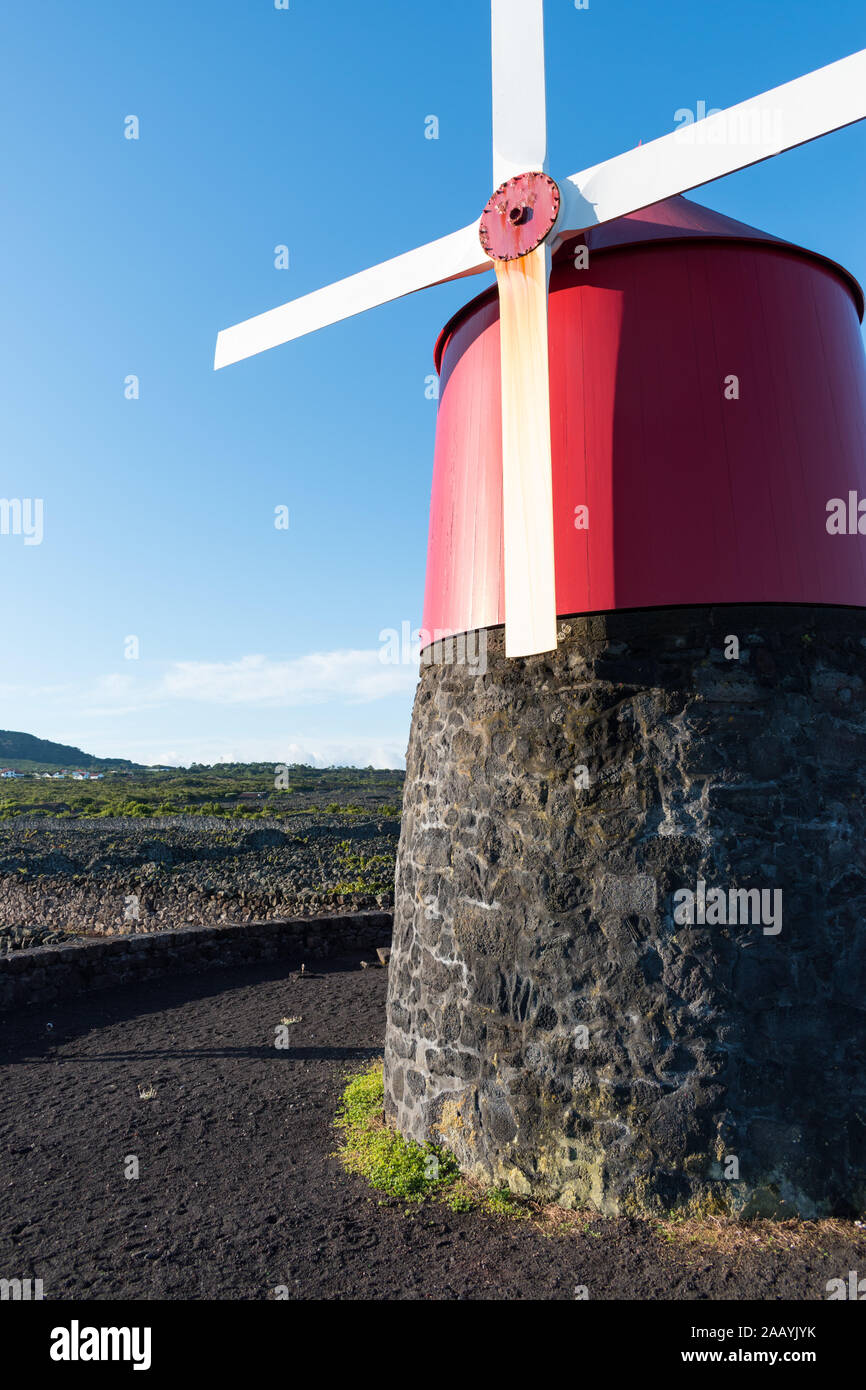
<point>146,1092</point>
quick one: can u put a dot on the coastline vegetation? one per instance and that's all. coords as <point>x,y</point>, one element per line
<point>234,791</point>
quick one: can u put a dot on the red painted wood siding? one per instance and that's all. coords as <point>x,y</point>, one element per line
<point>692,498</point>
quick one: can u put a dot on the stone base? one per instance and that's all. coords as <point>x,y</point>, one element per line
<point>549,1020</point>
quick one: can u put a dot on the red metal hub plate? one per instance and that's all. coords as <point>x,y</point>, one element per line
<point>519,215</point>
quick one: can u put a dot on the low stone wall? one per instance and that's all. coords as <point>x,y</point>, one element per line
<point>121,905</point>
<point>49,973</point>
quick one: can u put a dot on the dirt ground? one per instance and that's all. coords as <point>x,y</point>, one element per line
<point>238,1190</point>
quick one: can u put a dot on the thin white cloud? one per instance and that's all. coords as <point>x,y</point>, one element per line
<point>354,676</point>
<point>318,678</point>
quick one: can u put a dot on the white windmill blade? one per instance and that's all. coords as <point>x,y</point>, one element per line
<point>449,258</point>
<point>790,115</point>
<point>519,111</point>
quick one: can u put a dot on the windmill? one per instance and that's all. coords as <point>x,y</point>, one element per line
<point>546,1020</point>
<point>523,223</point>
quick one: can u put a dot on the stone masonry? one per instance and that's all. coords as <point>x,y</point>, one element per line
<point>47,974</point>
<point>549,1020</point>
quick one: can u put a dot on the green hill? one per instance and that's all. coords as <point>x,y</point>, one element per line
<point>16,749</point>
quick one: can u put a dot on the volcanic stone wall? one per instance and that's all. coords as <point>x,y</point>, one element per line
<point>107,876</point>
<point>46,974</point>
<point>58,904</point>
<point>566,1011</point>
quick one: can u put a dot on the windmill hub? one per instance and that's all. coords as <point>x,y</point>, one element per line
<point>519,216</point>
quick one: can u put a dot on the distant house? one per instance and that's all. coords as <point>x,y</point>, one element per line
<point>10,772</point>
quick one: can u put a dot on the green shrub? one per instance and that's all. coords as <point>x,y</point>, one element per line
<point>501,1202</point>
<point>389,1162</point>
<point>400,1167</point>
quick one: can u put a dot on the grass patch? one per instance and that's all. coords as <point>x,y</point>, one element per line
<point>500,1201</point>
<point>391,1164</point>
<point>400,1167</point>
<point>725,1236</point>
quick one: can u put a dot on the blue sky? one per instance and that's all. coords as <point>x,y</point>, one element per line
<point>303,127</point>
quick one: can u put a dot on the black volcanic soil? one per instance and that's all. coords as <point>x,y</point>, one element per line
<point>239,1191</point>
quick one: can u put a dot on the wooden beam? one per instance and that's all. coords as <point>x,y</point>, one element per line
<point>527,484</point>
